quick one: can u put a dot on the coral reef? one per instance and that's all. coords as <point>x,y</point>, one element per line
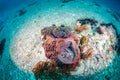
<point>64,49</point>
<point>61,48</point>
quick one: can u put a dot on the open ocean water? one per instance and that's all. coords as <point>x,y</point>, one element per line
<point>16,16</point>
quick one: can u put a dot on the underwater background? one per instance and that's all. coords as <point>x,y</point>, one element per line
<point>17,14</point>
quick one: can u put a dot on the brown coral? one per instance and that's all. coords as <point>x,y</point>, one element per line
<point>39,66</point>
<point>87,54</point>
<point>81,28</point>
<point>43,67</point>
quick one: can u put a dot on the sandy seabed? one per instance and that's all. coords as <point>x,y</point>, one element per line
<point>27,50</point>
<point>25,46</point>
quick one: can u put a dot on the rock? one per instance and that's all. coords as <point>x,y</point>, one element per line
<point>101,30</point>
<point>88,21</point>
<point>22,12</point>
<point>66,1</point>
<point>2,45</point>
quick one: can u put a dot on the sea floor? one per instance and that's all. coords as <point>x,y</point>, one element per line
<point>21,30</point>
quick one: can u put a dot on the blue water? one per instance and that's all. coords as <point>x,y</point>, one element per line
<point>6,5</point>
<point>14,13</point>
